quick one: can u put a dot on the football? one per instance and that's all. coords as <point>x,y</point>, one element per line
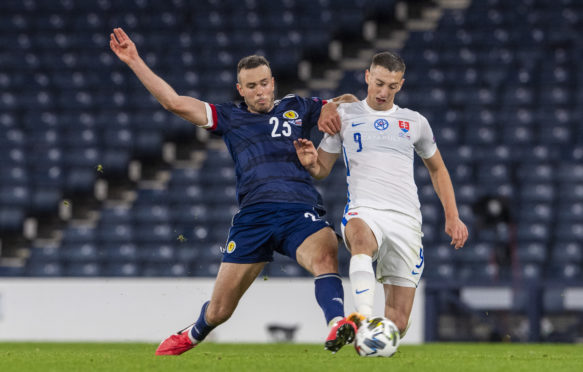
<point>377,337</point>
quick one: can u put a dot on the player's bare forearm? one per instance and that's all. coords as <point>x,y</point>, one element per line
<point>325,162</point>
<point>444,189</point>
<point>188,108</point>
<point>441,180</point>
<point>345,98</point>
<point>161,90</point>
<point>329,120</point>
<point>318,163</point>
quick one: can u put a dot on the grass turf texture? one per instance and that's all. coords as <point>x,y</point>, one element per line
<point>46,357</point>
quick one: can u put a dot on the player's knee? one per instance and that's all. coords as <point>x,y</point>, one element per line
<point>360,244</point>
<point>326,260</point>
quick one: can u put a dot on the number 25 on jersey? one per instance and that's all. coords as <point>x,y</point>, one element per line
<point>278,131</point>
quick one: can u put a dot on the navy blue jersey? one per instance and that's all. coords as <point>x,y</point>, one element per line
<point>261,145</point>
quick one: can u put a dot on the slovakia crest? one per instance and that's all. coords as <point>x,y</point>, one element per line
<point>404,125</point>
<point>381,124</point>
<point>292,117</point>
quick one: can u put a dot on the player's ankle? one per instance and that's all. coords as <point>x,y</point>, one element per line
<point>334,321</point>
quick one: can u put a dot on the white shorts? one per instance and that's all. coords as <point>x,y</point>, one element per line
<point>400,251</point>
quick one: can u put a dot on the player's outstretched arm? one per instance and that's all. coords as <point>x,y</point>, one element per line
<point>318,163</point>
<point>189,108</point>
<point>441,180</point>
<point>329,121</point>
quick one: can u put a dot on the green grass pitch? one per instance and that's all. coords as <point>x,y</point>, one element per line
<point>46,357</point>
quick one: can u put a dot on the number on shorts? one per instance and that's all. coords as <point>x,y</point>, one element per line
<point>311,215</point>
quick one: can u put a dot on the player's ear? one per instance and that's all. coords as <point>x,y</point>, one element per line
<point>366,75</point>
<point>240,89</point>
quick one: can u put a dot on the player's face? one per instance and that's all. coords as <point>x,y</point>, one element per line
<point>382,87</point>
<point>256,86</point>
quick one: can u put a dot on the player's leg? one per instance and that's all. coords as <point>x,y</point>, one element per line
<point>398,305</point>
<point>231,283</point>
<point>318,254</point>
<point>363,245</point>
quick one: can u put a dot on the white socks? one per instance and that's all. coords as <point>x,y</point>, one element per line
<point>362,279</point>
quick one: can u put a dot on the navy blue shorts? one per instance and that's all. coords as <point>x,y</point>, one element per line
<point>260,229</point>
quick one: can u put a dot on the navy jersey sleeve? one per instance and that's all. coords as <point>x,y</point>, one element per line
<point>313,106</point>
<point>220,118</point>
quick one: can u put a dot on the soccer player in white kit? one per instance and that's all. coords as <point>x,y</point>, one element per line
<point>382,218</point>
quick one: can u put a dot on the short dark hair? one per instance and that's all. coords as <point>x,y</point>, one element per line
<point>250,62</point>
<point>389,60</point>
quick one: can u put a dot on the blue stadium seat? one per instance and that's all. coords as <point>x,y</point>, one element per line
<point>533,232</point>
<point>531,252</point>
<point>570,211</point>
<point>538,192</point>
<point>115,233</point>
<point>83,269</point>
<point>442,272</point>
<point>479,273</point>
<point>570,172</point>
<point>120,252</point>
<point>152,252</point>
<point>80,252</point>
<point>441,253</point>
<point>154,233</point>
<point>45,253</point>
<point>565,272</point>
<point>531,271</point>
<point>44,269</point>
<point>570,231</point>
<point>537,212</point>
<point>151,213</point>
<point>163,269</point>
<point>11,219</point>
<point>122,269</point>
<point>565,251</point>
<point>536,173</point>
<point>14,196</point>
<point>476,253</point>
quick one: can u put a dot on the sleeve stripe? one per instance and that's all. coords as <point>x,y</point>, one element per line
<point>211,117</point>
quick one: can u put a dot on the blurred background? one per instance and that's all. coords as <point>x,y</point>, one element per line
<point>98,180</point>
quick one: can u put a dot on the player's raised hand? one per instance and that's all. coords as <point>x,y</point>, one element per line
<point>306,151</point>
<point>457,230</point>
<point>329,121</point>
<point>123,46</point>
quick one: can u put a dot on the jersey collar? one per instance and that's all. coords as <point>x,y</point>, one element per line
<point>373,111</point>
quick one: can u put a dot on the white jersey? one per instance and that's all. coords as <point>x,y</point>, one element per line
<point>378,153</point>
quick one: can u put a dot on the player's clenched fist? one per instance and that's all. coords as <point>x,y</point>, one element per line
<point>123,47</point>
<point>329,121</point>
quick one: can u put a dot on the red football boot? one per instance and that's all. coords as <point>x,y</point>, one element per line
<point>176,344</point>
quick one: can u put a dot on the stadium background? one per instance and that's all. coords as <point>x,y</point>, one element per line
<point>97,181</point>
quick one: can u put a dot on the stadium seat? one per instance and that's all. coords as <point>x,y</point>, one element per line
<point>83,269</point>
<point>531,252</point>
<point>44,269</point>
<point>566,251</point>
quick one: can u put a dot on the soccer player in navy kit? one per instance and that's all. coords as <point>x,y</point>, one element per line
<point>280,210</point>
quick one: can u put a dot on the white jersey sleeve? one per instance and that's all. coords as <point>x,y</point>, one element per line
<point>425,145</point>
<point>331,144</point>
